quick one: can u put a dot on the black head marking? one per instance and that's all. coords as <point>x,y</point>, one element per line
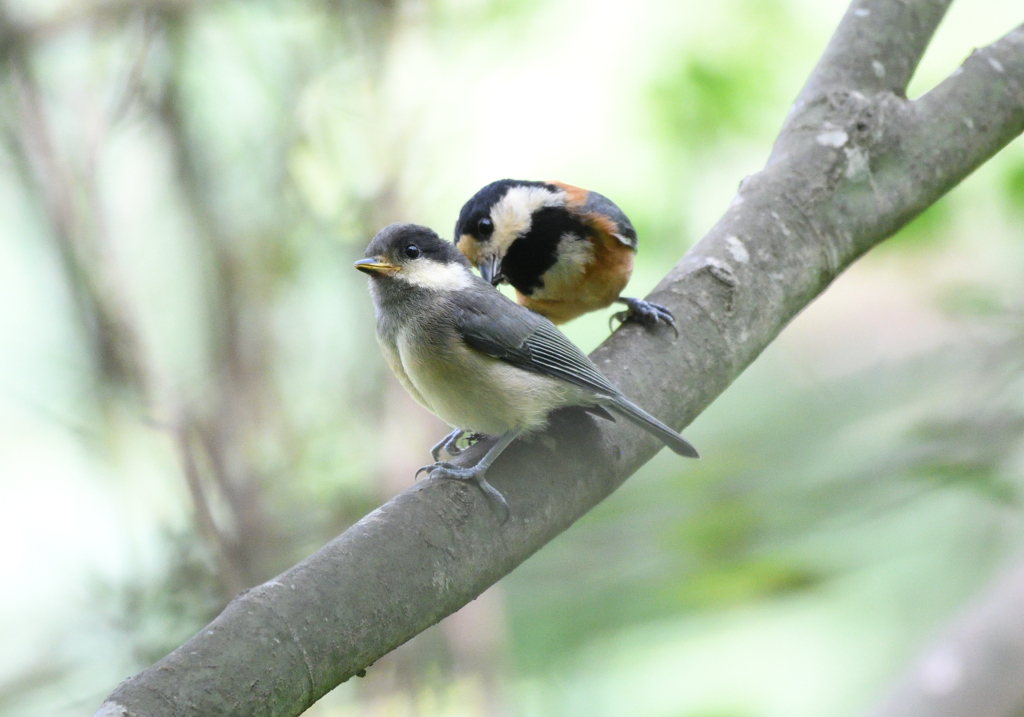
<point>530,256</point>
<point>406,242</point>
<point>479,206</point>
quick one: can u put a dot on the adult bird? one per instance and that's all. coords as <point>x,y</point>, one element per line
<point>565,250</point>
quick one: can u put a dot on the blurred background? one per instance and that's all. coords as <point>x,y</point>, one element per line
<point>192,399</point>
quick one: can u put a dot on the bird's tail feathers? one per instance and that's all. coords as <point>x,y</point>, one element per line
<point>652,425</point>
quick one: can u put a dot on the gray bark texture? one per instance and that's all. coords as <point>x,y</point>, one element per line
<point>854,162</point>
<point>977,667</point>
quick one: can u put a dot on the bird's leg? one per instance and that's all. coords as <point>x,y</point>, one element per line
<point>447,444</point>
<point>643,312</point>
<point>451,445</point>
<point>475,473</point>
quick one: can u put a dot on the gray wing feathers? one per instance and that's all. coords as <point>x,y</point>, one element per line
<point>557,356</point>
<point>492,324</point>
<point>500,328</point>
<point>601,204</point>
<point>500,337</point>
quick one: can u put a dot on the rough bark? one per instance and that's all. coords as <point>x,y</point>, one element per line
<point>854,162</point>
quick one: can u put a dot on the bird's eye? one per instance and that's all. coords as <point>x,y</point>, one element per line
<point>412,251</point>
<point>485,226</point>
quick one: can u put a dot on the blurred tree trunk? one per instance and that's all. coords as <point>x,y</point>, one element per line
<point>976,668</point>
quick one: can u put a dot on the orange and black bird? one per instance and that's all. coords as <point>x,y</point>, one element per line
<point>565,250</point>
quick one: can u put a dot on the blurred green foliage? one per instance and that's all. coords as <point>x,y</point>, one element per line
<point>711,92</point>
<point>1014,186</point>
<point>706,100</point>
<point>930,226</point>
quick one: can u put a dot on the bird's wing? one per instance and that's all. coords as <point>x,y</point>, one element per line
<point>599,207</point>
<point>599,212</point>
<point>494,325</point>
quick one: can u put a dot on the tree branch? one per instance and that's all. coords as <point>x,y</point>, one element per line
<point>977,668</point>
<point>877,47</point>
<point>851,170</point>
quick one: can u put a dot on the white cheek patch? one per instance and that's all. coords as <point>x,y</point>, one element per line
<point>574,254</point>
<point>575,251</point>
<point>430,274</point>
<point>513,214</point>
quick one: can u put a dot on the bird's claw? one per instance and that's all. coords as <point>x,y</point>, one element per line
<point>437,465</point>
<point>449,445</point>
<point>445,470</point>
<point>645,313</point>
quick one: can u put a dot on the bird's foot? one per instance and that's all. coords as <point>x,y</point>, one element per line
<point>646,313</point>
<point>450,444</point>
<point>445,444</point>
<point>447,471</point>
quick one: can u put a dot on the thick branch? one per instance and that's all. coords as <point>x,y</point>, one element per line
<point>977,668</point>
<point>876,47</point>
<point>853,172</point>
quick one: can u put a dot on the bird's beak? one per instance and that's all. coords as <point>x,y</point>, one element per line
<point>490,270</point>
<point>376,265</point>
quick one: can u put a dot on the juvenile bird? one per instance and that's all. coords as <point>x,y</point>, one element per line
<point>565,250</point>
<point>476,359</point>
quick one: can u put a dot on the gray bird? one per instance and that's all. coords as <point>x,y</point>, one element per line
<point>476,359</point>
